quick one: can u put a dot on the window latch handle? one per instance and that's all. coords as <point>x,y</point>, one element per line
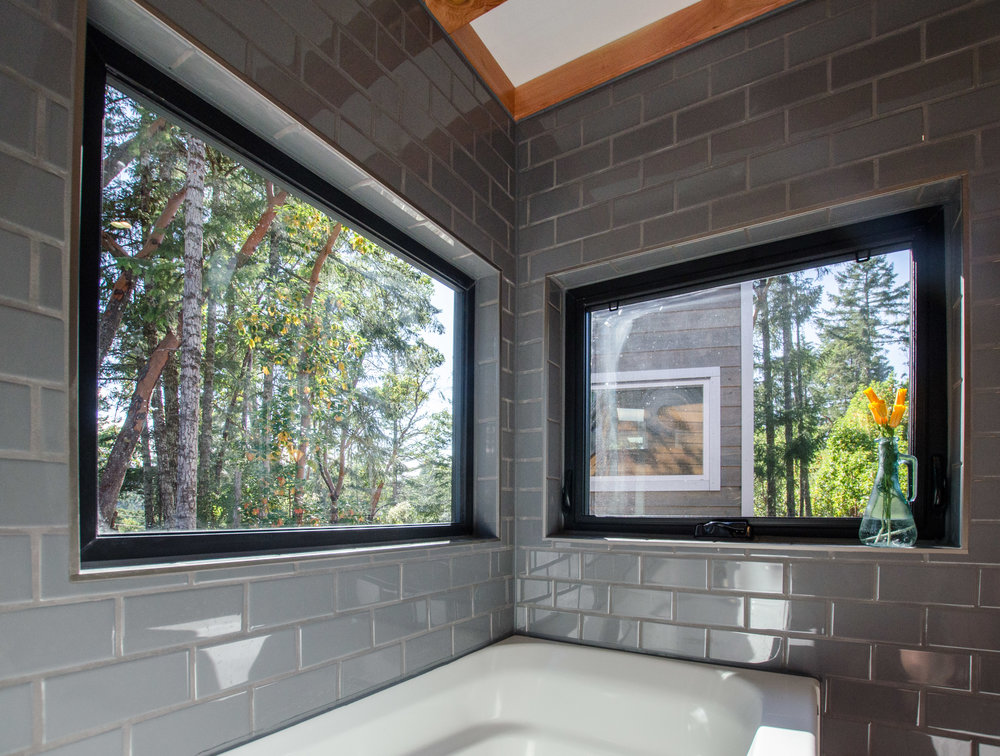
<point>567,502</point>
<point>728,529</point>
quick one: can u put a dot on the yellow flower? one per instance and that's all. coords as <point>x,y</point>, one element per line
<point>898,408</point>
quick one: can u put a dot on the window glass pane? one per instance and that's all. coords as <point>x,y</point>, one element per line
<point>821,337</point>
<point>261,365</point>
<point>690,392</point>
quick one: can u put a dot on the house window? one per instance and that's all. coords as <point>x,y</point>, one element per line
<point>731,388</point>
<point>265,365</point>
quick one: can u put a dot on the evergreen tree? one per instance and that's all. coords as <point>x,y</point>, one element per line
<point>868,311</point>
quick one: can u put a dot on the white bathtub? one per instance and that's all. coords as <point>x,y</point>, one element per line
<point>527,697</point>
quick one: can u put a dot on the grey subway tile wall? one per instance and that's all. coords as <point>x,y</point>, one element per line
<point>819,114</point>
<point>191,660</point>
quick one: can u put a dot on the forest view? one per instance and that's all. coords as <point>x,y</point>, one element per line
<point>260,364</point>
<point>821,337</point>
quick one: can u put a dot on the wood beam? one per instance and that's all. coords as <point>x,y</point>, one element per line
<point>486,65</point>
<point>686,27</point>
<point>455,14</point>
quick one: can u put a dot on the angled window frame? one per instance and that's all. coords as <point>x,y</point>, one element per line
<point>107,60</point>
<point>922,231</point>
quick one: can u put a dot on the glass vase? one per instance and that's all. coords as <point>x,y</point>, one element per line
<point>888,520</point>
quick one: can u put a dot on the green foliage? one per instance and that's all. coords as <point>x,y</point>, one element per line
<point>847,463</point>
<point>322,366</point>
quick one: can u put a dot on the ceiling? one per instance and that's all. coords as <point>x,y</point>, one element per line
<point>535,53</point>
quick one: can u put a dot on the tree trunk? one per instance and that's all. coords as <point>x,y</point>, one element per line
<point>114,470</point>
<point>148,488</point>
<point>786,385</point>
<point>121,292</point>
<point>119,158</point>
<point>206,482</point>
<point>305,402</point>
<point>805,499</point>
<point>770,495</point>
<point>190,380</point>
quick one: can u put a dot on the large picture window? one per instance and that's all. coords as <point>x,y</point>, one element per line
<point>775,433</point>
<point>264,364</point>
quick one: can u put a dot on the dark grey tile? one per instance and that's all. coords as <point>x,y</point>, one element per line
<point>828,186</point>
<point>876,58</point>
<point>33,49</point>
<point>829,113</point>
<point>880,703</point>
<point>816,656</point>
<point>880,136</point>
<point>680,93</point>
<point>889,16</point>
<point>791,19</point>
<point>16,704</point>
<point>977,715</point>
<point>926,82</point>
<point>675,572</point>
<point>788,615</point>
<point>674,639</point>
<point>196,729</point>
<point>748,207</point>
<point>371,670</point>
<point>585,222</point>
<point>644,140</point>
<point>978,108</point>
<point>709,609</point>
<point>963,628</point>
<point>825,579</point>
<point>748,138</point>
<point>927,160</point>
<point>914,666</point>
<point>711,116</point>
<point>676,226</point>
<point>639,206</point>
<point>963,28</point>
<point>787,89</point>
<point>613,120</point>
<point>885,739</point>
<point>934,585</point>
<point>744,648</point>
<point>711,184</point>
<point>558,201</point>
<point>615,182</point>
<point>789,162</point>
<point>755,64</point>
<point>400,620</point>
<point>18,104</point>
<point>894,623</point>
<point>611,631</point>
<point>676,161</point>
<point>427,650</point>
<point>818,40</point>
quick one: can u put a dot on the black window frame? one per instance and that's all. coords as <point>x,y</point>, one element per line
<point>922,231</point>
<point>107,59</point>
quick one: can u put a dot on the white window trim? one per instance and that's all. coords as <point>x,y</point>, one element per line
<point>709,379</point>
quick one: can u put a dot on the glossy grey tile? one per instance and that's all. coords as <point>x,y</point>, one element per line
<point>553,624</point>
<point>535,591</point>
<point>334,638</point>
<point>618,568</point>
<point>489,596</point>
<point>473,633</point>
<point>611,631</point>
<point>106,695</point>
<point>280,702</point>
<point>399,620</point>
<point>935,585</point>
<point>228,665</point>
<point>427,650</point>
<point>755,577</point>
<point>909,665</point>
<point>420,578</point>
<point>164,619</point>
<point>556,564</point>
<point>826,579</point>
<point>864,700</point>
<point>675,572</point>
<point>584,596</point>
<point>744,648</point>
<point>814,656</point>
<point>790,615</point>
<point>60,637</point>
<point>285,600</point>
<point>99,745</point>
<point>17,705</point>
<point>370,670</point>
<point>887,739</point>
<point>450,607</point>
<point>15,566</point>
<point>698,608</point>
<point>674,639</point>
<point>371,585</point>
<point>195,729</point>
<point>878,622</point>
<point>641,602</point>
